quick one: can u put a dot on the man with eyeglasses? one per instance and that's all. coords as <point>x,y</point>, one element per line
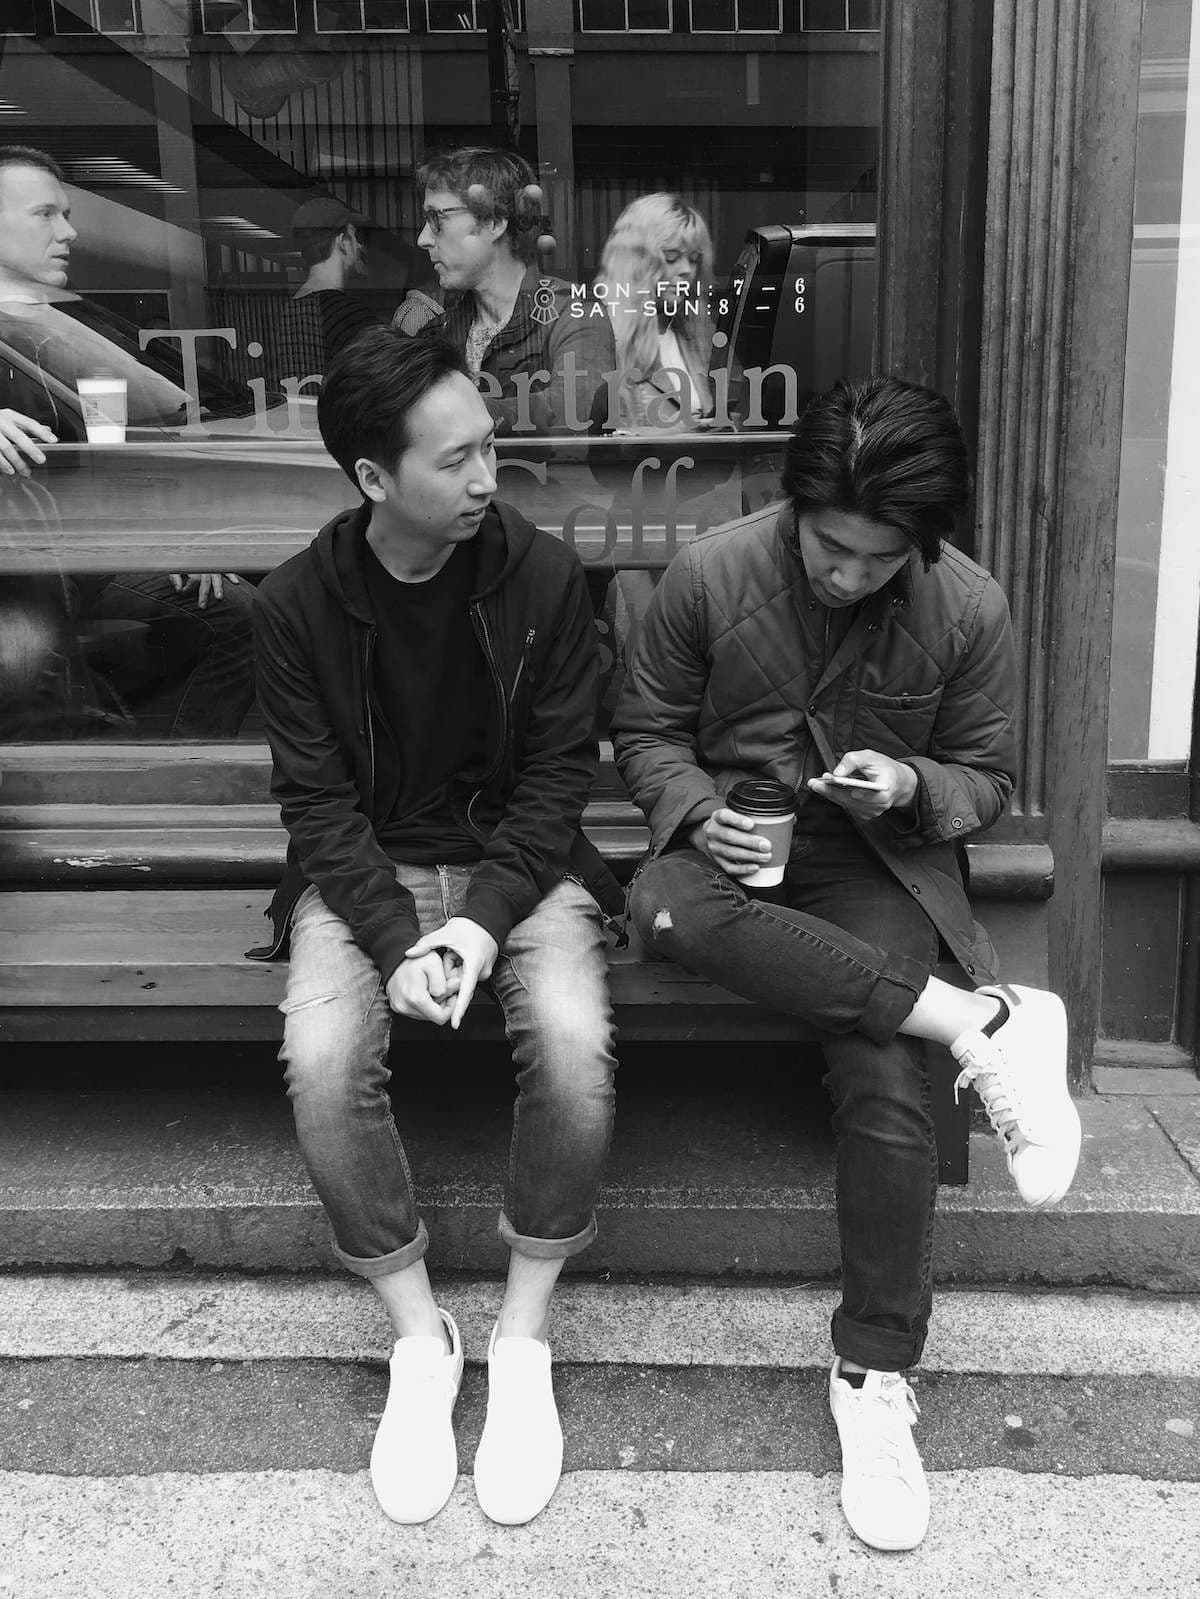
<point>538,367</point>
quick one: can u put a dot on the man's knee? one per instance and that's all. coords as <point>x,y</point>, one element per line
<point>328,1053</point>
<point>665,896</point>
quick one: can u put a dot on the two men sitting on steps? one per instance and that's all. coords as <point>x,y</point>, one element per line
<point>428,677</point>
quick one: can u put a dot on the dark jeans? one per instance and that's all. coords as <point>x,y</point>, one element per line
<point>848,953</point>
<point>211,650</point>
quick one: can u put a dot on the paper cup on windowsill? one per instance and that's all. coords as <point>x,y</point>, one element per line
<point>105,405</point>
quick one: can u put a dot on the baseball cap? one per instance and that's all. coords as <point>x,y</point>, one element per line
<point>323,211</point>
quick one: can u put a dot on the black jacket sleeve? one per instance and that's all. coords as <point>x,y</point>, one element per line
<point>331,832</point>
<point>557,758</point>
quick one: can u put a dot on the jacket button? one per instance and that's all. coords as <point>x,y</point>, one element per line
<point>812,710</point>
<point>957,822</point>
<point>916,889</point>
<point>970,971</point>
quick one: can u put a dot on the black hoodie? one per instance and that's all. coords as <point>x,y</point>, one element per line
<point>337,763</point>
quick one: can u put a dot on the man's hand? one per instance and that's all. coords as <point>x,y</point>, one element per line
<point>210,584</point>
<point>423,988</point>
<point>893,784</point>
<point>19,436</point>
<point>470,948</point>
<point>731,841</point>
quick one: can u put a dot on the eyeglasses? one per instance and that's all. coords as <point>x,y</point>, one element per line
<point>435,215</point>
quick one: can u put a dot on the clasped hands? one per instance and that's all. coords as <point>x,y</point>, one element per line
<point>730,839</point>
<point>437,978</point>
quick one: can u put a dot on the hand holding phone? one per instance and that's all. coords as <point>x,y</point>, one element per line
<point>867,784</point>
<point>853,782</point>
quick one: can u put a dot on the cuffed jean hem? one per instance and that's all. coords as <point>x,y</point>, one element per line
<point>891,1000</point>
<point>879,1348</point>
<point>382,1265</point>
<point>545,1248</point>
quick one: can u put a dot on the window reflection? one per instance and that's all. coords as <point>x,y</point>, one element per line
<point>249,184</point>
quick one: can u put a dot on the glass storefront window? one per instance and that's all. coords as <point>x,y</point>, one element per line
<point>1158,554</point>
<point>241,193</point>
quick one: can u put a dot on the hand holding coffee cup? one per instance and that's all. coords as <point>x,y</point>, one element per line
<point>750,836</point>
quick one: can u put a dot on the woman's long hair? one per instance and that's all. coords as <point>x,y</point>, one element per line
<point>633,256</point>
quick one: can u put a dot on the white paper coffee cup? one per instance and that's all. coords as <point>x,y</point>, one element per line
<point>777,830</point>
<point>104,402</point>
<point>771,807</point>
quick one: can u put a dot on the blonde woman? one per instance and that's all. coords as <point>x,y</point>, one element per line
<point>656,274</point>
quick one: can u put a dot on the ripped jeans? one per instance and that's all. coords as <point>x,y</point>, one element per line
<point>551,980</point>
<point>849,953</point>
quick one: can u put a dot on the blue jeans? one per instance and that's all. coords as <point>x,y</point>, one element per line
<point>551,979</point>
<point>848,953</point>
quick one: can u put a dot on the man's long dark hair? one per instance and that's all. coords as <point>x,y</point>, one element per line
<point>883,449</point>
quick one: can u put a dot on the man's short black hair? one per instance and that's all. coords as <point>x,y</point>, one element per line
<point>370,389</point>
<point>883,449</point>
<point>24,155</point>
<point>316,244</point>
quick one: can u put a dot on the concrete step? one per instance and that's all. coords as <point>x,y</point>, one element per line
<point>201,1434</point>
<point>702,1181</point>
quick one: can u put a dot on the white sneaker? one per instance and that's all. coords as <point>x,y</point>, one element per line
<point>884,1493</point>
<point>519,1460</point>
<point>414,1462</point>
<point>1020,1074</point>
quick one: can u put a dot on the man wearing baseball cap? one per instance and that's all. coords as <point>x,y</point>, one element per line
<point>323,316</point>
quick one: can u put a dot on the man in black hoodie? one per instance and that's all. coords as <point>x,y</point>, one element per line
<point>428,673</point>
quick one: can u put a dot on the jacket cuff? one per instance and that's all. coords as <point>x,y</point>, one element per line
<point>393,942</point>
<point>492,911</point>
<point>699,812</point>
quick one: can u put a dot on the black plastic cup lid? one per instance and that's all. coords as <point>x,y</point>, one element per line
<point>761,796</point>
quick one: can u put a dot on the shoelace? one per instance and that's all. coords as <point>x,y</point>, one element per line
<point>888,1435</point>
<point>999,1098</point>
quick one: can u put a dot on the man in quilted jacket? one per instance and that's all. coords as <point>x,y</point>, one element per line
<point>838,645</point>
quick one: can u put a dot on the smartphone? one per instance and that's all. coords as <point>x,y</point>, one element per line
<point>852,782</point>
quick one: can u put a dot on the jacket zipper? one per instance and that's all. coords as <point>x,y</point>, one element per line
<point>368,652</point>
<point>512,693</point>
<point>479,621</point>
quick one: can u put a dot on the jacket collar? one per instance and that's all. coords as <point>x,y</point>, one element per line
<point>503,541</point>
<point>897,592</point>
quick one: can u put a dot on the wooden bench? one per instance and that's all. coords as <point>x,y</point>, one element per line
<point>127,899</point>
<point>166,964</point>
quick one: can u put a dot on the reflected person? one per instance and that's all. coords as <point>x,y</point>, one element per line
<point>482,212</point>
<point>324,315</point>
<point>657,270</point>
<point>199,623</point>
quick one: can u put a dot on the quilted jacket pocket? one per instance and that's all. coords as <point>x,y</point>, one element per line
<point>896,724</point>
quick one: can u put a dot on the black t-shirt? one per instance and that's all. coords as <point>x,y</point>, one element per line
<point>431,687</point>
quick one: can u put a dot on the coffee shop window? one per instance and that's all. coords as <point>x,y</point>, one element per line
<point>736,16</point>
<point>19,19</point>
<point>96,16</point>
<point>250,16</point>
<point>453,16</point>
<point>625,16</point>
<point>841,16</point>
<point>363,16</point>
